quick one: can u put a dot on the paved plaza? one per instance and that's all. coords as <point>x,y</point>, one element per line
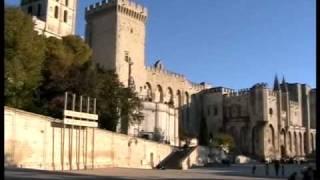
<point>236,172</point>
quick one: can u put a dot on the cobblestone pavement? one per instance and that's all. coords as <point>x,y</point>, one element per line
<point>236,172</point>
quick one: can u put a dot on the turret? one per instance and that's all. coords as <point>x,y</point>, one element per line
<point>285,101</point>
<point>276,85</point>
<point>284,86</point>
<point>115,31</point>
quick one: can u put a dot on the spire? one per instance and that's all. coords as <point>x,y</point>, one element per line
<point>284,85</point>
<point>276,85</point>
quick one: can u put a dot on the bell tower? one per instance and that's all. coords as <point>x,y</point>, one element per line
<point>115,30</point>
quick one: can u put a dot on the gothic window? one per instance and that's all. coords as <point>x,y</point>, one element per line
<point>67,2</point>
<point>178,98</point>
<point>215,110</point>
<point>186,98</point>
<point>65,16</point>
<point>159,94</point>
<point>39,10</point>
<point>56,12</point>
<point>169,96</point>
<point>148,92</point>
<point>30,10</point>
<point>290,141</point>
<point>271,136</point>
<point>295,143</point>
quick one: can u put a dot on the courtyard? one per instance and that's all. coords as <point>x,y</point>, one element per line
<point>236,172</point>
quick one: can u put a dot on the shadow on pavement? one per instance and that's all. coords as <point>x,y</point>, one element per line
<point>22,173</point>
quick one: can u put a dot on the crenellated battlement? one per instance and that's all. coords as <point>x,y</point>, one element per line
<point>162,71</point>
<point>197,86</point>
<point>165,72</point>
<point>229,92</point>
<point>126,7</point>
<point>219,90</point>
<point>260,85</point>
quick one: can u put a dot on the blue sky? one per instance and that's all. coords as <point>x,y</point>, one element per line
<point>232,43</point>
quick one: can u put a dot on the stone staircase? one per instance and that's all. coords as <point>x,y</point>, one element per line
<point>174,160</point>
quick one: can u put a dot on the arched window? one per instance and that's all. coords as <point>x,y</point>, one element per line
<point>290,141</point>
<point>305,140</point>
<point>65,16</point>
<point>270,111</point>
<point>178,98</point>
<point>300,143</point>
<point>148,92</point>
<point>312,142</point>
<point>56,12</point>
<point>271,135</point>
<point>39,10</point>
<point>67,2</point>
<point>295,143</point>
<point>169,96</point>
<point>30,10</point>
<point>186,98</point>
<point>159,94</point>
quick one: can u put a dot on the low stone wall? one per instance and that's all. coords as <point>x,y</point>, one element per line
<point>198,157</point>
<point>41,142</point>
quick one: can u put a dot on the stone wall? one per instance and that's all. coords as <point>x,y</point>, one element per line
<point>163,118</point>
<point>41,142</point>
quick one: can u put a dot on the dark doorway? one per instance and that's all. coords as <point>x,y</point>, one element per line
<point>253,139</point>
<point>151,160</point>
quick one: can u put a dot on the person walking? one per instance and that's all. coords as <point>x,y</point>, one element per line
<point>254,169</point>
<point>282,170</point>
<point>267,168</point>
<point>276,167</point>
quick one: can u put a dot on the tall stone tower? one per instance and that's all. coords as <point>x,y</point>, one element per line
<point>115,30</point>
<point>52,17</point>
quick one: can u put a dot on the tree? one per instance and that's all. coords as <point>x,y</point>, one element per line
<point>107,90</point>
<point>65,68</point>
<point>40,70</point>
<point>131,107</point>
<point>222,141</point>
<point>79,51</point>
<point>24,54</point>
